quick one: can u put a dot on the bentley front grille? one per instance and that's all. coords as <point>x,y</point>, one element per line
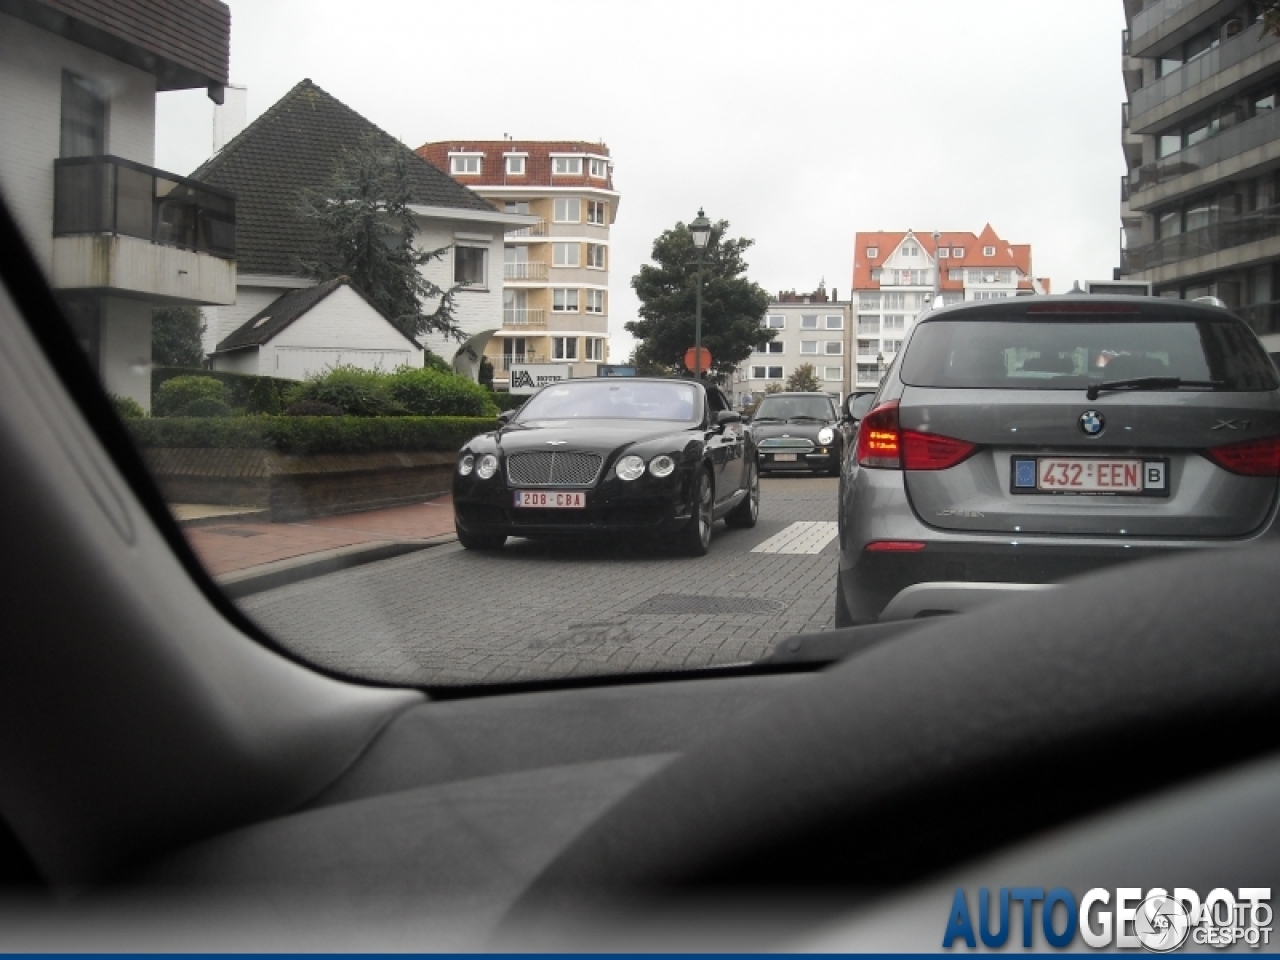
<point>553,469</point>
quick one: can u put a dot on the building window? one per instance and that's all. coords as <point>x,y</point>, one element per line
<point>598,168</point>
<point>868,324</point>
<point>515,166</point>
<point>808,346</point>
<point>565,254</point>
<point>771,346</point>
<point>833,348</point>
<point>957,251</point>
<point>833,373</point>
<point>775,322</point>
<point>895,301</point>
<point>835,322</point>
<point>566,166</point>
<point>594,348</point>
<point>910,250</point>
<point>868,346</point>
<point>988,251</point>
<point>466,165</point>
<point>595,301</point>
<point>564,301</point>
<point>869,301</point>
<point>944,252</point>
<point>892,346</point>
<point>868,372</point>
<point>873,252</point>
<point>766,373</point>
<point>596,256</point>
<point>895,322</point>
<point>990,294</point>
<point>84,118</point>
<point>469,265</point>
<point>809,322</point>
<point>597,212</point>
<point>567,210</point>
<point>564,348</point>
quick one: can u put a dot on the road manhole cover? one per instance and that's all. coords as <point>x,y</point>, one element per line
<point>716,606</point>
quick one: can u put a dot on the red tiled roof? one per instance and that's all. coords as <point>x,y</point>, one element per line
<point>537,165</point>
<point>885,242</point>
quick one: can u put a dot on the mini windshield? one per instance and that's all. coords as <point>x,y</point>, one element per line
<point>614,400</point>
<point>787,408</point>
<point>1035,354</point>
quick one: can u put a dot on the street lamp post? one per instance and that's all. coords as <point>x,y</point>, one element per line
<point>701,231</point>
<point>879,367</point>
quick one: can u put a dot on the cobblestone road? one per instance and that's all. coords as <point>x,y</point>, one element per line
<point>539,610</point>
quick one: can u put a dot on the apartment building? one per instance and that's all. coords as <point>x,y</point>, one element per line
<point>1201,139</point>
<point>894,277</point>
<point>556,271</point>
<point>811,328</point>
<point>115,236</point>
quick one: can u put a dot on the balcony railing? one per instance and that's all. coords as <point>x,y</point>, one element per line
<point>873,330</point>
<point>538,229</point>
<point>1230,143</point>
<point>524,270</point>
<point>96,195</point>
<point>1213,238</point>
<point>524,317</point>
<point>1152,16</point>
<point>1228,54</point>
<point>509,358</point>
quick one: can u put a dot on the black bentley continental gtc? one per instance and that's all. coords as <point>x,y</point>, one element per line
<point>643,457</point>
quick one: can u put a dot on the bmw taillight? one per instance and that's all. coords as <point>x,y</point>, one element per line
<point>882,444</point>
<point>1250,458</point>
<point>929,451</point>
<point>878,438</point>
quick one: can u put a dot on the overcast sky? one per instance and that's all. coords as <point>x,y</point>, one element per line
<point>799,122</point>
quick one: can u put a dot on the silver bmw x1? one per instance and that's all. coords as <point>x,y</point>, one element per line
<point>1017,443</point>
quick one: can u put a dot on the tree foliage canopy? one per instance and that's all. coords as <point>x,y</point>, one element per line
<point>804,379</point>
<point>175,337</point>
<point>367,233</point>
<point>732,305</point>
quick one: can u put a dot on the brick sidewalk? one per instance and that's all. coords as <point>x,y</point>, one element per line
<point>228,547</point>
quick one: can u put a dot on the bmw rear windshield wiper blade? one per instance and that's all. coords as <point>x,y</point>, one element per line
<point>1149,383</point>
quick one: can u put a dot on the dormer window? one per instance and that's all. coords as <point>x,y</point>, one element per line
<point>943,253</point>
<point>515,165</point>
<point>957,252</point>
<point>873,252</point>
<point>598,169</point>
<point>465,164</point>
<point>988,251</point>
<point>566,166</point>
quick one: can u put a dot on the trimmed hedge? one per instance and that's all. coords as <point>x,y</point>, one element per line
<point>192,396</point>
<point>429,393</point>
<point>253,393</point>
<point>508,401</point>
<point>302,435</point>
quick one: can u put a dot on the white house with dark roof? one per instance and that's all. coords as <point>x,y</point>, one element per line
<point>305,332</point>
<point>296,145</point>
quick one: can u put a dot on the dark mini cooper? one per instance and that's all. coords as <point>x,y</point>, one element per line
<point>657,458</point>
<point>799,431</point>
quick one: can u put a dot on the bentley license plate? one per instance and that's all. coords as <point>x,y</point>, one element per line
<point>1090,475</point>
<point>784,458</point>
<point>551,499</point>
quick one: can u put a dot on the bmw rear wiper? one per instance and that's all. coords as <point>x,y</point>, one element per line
<point>1148,383</point>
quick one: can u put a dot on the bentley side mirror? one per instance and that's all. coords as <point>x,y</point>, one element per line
<point>505,417</point>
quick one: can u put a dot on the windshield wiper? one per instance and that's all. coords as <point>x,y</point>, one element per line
<point>758,419</point>
<point>804,416</point>
<point>1148,383</point>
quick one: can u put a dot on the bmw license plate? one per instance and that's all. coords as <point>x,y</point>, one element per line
<point>1094,475</point>
<point>784,458</point>
<point>551,499</point>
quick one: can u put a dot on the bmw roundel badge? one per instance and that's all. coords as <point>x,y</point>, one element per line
<point>1092,423</point>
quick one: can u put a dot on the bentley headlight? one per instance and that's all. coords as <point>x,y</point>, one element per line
<point>826,435</point>
<point>487,466</point>
<point>466,465</point>
<point>630,468</point>
<point>661,465</point>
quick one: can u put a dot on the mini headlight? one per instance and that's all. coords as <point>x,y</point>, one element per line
<point>487,466</point>
<point>629,468</point>
<point>661,465</point>
<point>826,435</point>
<point>466,465</point>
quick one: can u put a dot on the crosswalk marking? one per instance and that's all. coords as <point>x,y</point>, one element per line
<point>803,536</point>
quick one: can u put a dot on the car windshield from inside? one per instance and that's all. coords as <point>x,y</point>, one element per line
<point>613,400</point>
<point>795,408</point>
<point>1037,353</point>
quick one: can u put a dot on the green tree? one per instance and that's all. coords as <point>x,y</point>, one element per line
<point>175,337</point>
<point>804,379</point>
<point>732,305</point>
<point>367,233</point>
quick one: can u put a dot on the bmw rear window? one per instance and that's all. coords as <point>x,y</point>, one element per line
<point>1036,353</point>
